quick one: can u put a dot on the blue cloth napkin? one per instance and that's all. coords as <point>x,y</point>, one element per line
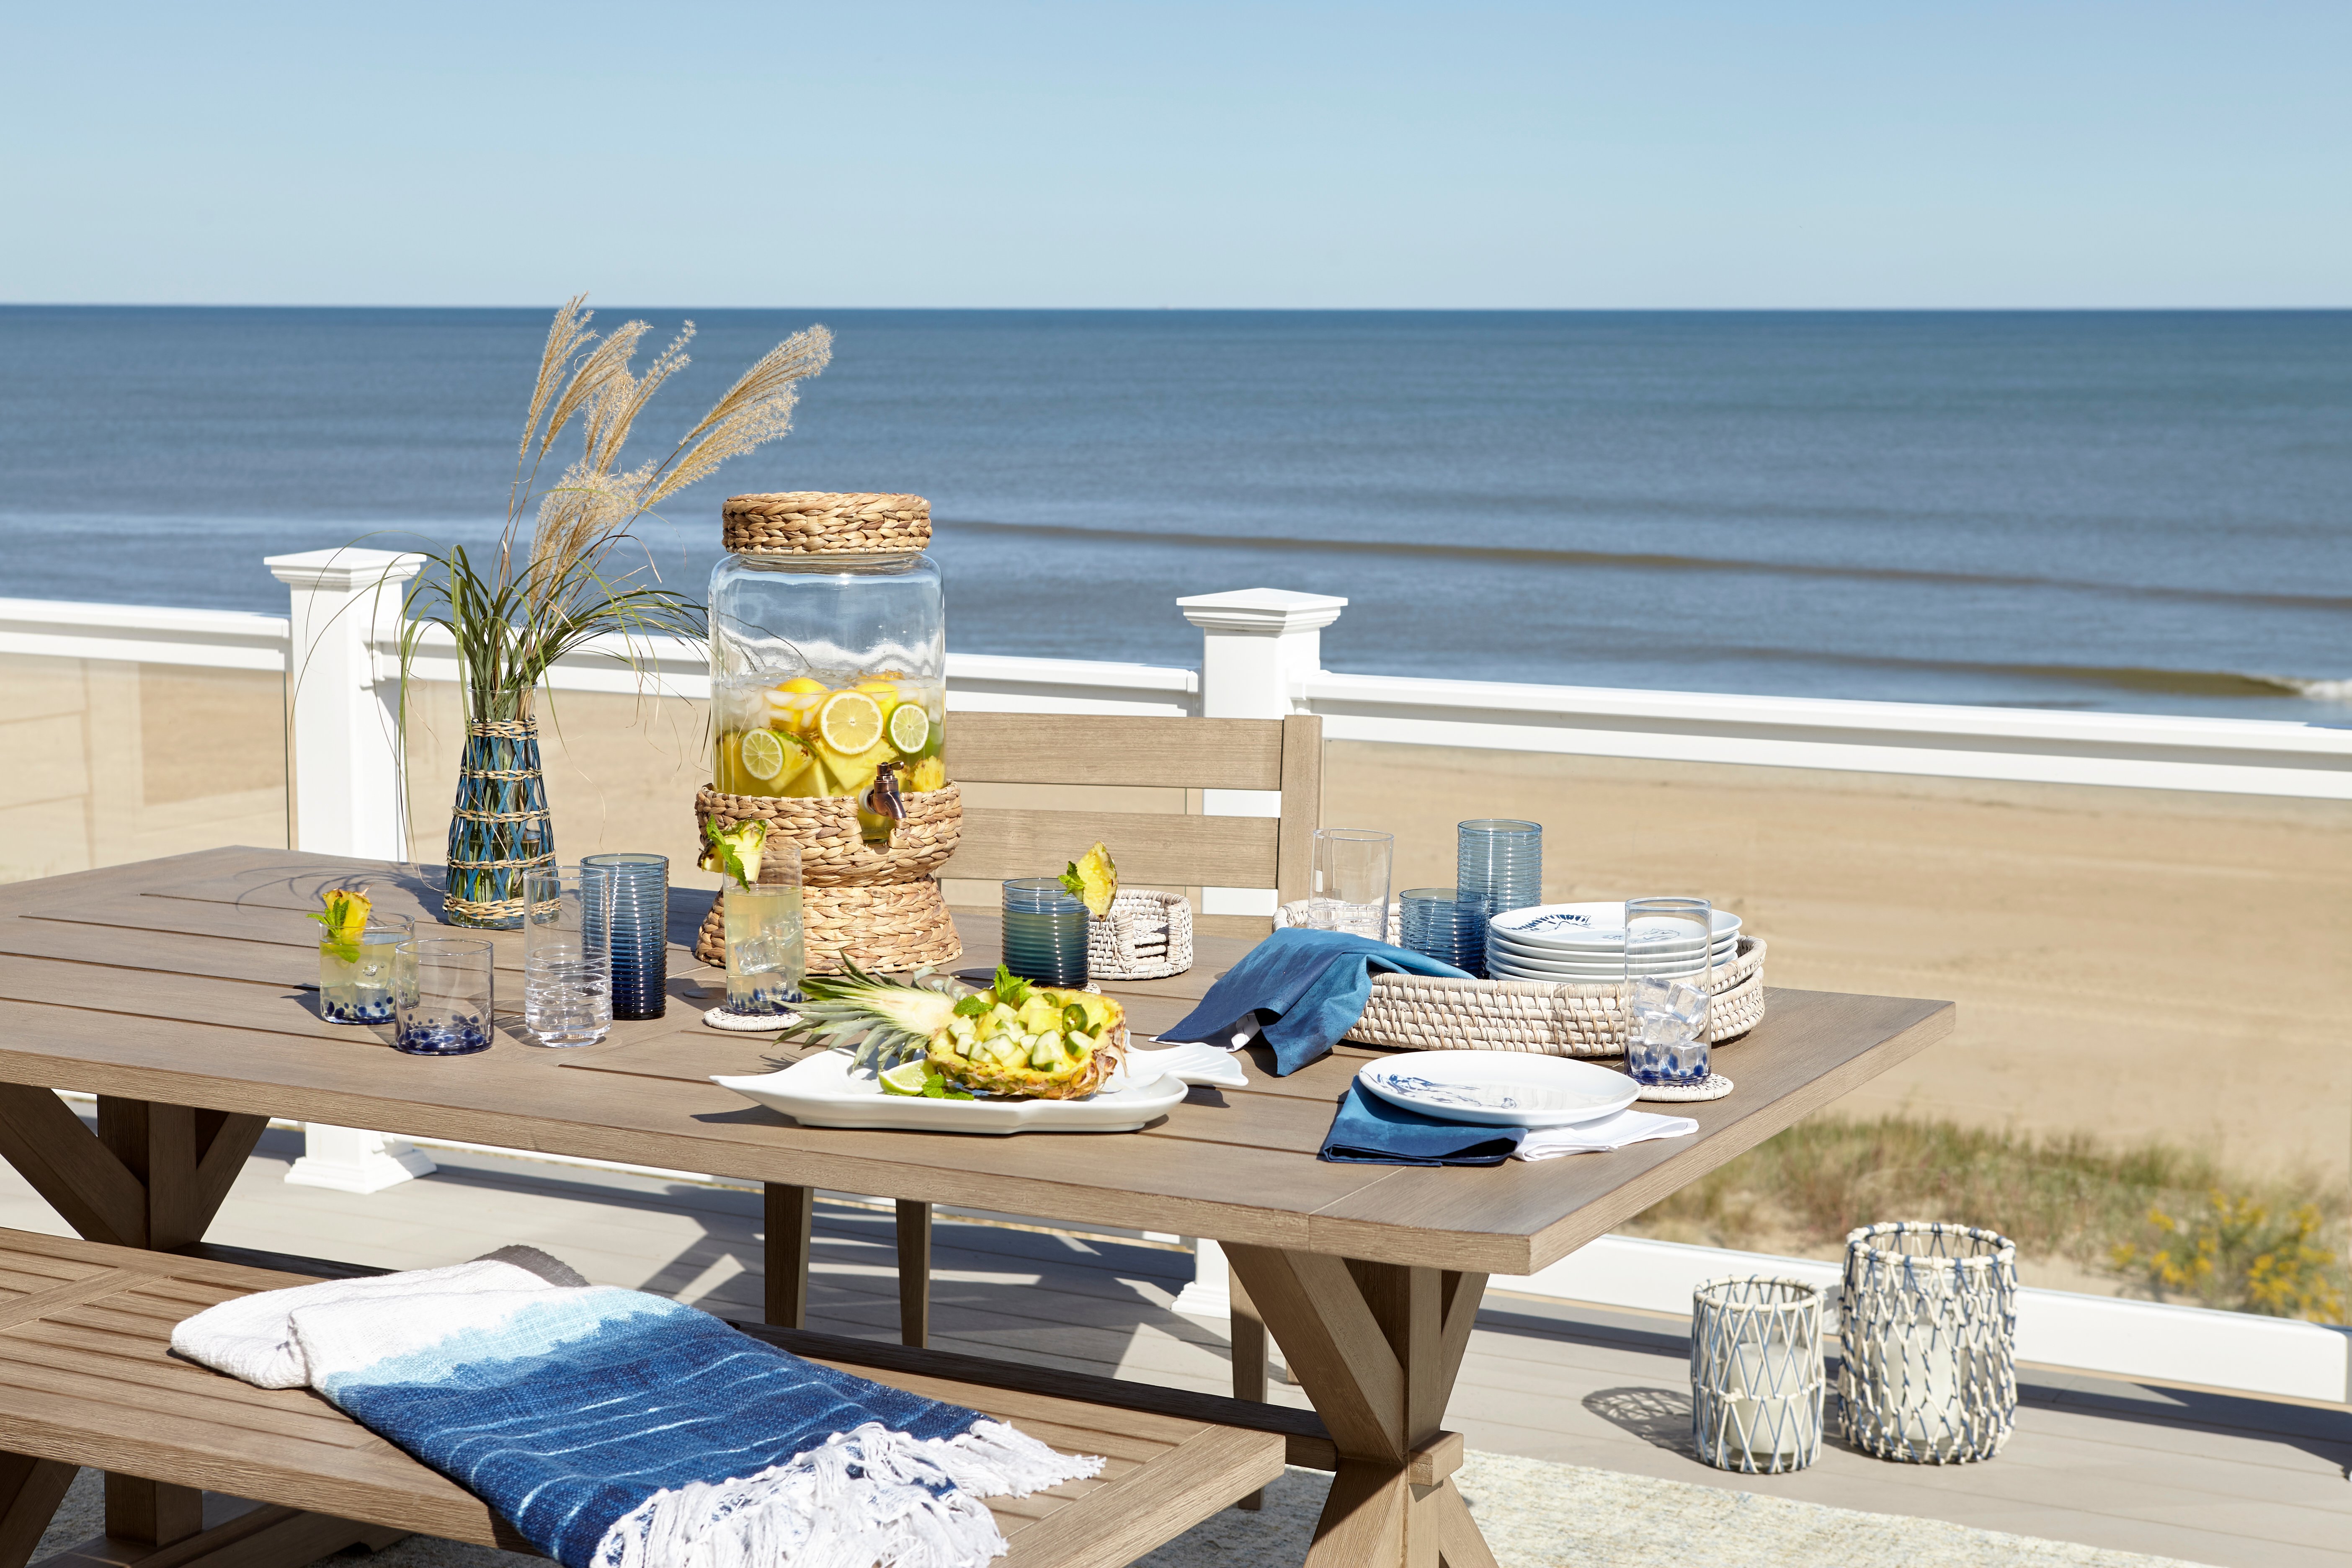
<point>1307,987</point>
<point>1368,1130</point>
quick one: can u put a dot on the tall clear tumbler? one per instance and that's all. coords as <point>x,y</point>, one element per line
<point>567,959</point>
<point>767,951</point>
<point>1669,969</point>
<point>1351,880</point>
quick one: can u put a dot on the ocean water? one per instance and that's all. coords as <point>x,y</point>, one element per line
<point>2132,511</point>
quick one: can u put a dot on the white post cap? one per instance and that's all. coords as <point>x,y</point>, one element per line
<point>1261,612</point>
<point>344,569</point>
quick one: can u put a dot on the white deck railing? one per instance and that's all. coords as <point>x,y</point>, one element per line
<point>1260,658</point>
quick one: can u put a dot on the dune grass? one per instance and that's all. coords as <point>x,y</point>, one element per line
<point>2167,1222</point>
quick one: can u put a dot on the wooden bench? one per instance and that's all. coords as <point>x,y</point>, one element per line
<point>86,1378</point>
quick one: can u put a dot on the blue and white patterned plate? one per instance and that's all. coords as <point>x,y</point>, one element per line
<point>1501,1089</point>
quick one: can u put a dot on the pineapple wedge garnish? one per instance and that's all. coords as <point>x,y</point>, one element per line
<point>1094,880</point>
<point>1015,1039</point>
<point>345,918</point>
<point>735,853</point>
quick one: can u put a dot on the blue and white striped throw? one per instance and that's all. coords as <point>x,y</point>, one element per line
<point>616,1429</point>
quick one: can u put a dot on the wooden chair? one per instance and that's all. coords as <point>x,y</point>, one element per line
<point>1154,850</point>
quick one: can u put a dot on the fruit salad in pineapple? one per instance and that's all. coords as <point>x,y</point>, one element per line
<point>1032,1042</point>
<point>806,736</point>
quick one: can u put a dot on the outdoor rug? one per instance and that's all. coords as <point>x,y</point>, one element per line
<point>1535,1514</point>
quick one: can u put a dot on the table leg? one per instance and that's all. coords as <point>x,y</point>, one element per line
<point>790,1219</point>
<point>153,1176</point>
<point>1248,1338</point>
<point>1377,1347</point>
<point>914,1273</point>
<point>30,1491</point>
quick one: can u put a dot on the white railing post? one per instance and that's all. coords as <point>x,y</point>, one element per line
<point>344,755</point>
<point>1259,646</point>
<point>345,748</point>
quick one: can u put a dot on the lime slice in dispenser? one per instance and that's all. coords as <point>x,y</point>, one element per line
<point>910,727</point>
<point>763,754</point>
<point>907,1077</point>
<point>850,723</point>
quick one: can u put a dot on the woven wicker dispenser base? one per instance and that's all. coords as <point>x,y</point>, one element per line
<point>884,927</point>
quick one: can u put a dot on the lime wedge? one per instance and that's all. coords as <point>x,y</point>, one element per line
<point>763,754</point>
<point>910,727</point>
<point>907,1077</point>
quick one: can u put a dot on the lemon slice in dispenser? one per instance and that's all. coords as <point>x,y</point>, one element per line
<point>849,722</point>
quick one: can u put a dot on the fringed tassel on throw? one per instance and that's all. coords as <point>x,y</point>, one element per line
<point>870,1498</point>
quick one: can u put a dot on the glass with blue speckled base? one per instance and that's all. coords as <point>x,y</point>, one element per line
<point>358,989</point>
<point>445,999</point>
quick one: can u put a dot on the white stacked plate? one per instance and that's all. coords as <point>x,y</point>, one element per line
<point>1584,944</point>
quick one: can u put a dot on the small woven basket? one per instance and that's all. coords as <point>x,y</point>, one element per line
<point>1148,935</point>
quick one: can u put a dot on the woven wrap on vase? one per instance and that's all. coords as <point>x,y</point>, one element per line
<point>1539,1017</point>
<point>834,851</point>
<point>886,927</point>
<point>1929,1322</point>
<point>498,826</point>
<point>1148,935</point>
<point>818,522</point>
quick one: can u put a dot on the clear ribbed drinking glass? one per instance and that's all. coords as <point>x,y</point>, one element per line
<point>567,967</point>
<point>1351,880</point>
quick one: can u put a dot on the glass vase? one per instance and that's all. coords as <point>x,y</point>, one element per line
<point>499,829</point>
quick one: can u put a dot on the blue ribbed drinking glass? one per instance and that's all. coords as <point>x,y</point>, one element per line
<point>1433,923</point>
<point>1045,931</point>
<point>1497,868</point>
<point>639,938</point>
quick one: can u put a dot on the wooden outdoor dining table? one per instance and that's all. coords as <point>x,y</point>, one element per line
<point>181,992</point>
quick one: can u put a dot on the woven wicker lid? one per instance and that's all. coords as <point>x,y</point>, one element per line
<point>819,523</point>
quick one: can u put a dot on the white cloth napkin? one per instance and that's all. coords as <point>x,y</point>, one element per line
<point>1627,1126</point>
<point>253,1338</point>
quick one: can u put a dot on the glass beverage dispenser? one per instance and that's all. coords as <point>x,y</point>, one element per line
<point>828,676</point>
<point>828,654</point>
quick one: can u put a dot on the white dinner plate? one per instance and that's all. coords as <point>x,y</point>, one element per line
<point>1586,928</point>
<point>1501,1089</point>
<point>827,1090</point>
<point>1496,942</point>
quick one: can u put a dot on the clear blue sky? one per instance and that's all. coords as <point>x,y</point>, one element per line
<point>1881,153</point>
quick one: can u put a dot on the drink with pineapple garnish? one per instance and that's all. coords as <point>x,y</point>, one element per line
<point>355,957</point>
<point>767,951</point>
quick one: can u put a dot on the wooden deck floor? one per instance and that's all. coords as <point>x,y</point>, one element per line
<point>2211,1479</point>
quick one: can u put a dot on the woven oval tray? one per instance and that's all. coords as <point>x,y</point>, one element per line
<point>1534,1015</point>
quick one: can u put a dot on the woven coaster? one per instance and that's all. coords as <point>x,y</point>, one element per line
<point>1715,1086</point>
<point>748,1023</point>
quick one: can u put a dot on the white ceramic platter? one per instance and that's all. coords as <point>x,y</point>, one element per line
<point>826,1090</point>
<point>1501,1089</point>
